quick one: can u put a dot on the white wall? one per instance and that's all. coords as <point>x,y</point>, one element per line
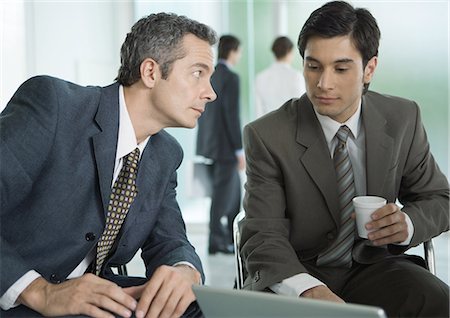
<point>12,52</point>
<point>77,40</point>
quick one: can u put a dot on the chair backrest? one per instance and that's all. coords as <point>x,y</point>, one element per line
<point>237,250</point>
<point>239,264</point>
<point>429,256</point>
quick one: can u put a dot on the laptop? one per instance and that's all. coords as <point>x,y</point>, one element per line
<point>231,303</point>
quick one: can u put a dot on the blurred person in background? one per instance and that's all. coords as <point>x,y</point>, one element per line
<point>279,82</point>
<point>219,139</point>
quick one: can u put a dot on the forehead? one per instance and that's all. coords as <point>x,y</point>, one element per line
<point>197,50</point>
<point>331,49</point>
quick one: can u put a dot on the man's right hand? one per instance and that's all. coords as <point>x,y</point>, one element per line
<point>86,295</point>
<point>321,292</point>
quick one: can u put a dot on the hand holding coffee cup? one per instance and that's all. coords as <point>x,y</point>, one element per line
<point>364,207</point>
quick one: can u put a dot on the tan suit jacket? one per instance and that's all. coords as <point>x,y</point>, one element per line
<point>291,200</point>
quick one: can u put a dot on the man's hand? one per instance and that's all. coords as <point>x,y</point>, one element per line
<point>388,225</point>
<point>86,295</point>
<point>168,293</point>
<point>323,293</point>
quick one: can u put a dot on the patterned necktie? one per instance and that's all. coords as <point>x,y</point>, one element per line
<point>122,196</point>
<point>340,252</point>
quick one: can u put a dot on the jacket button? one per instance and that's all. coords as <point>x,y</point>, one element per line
<point>89,236</point>
<point>256,277</point>
<point>330,236</point>
<point>54,279</point>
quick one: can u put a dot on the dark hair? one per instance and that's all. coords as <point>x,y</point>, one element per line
<point>227,43</point>
<point>160,37</point>
<point>338,18</point>
<point>282,46</point>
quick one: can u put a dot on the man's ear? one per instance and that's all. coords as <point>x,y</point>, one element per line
<point>369,70</point>
<point>149,72</point>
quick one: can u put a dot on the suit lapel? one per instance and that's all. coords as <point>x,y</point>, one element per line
<point>379,151</point>
<point>316,159</point>
<point>379,147</point>
<point>105,142</point>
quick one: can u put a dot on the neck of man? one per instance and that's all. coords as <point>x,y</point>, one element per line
<point>137,101</point>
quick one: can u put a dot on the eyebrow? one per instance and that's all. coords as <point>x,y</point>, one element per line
<point>343,60</point>
<point>201,65</point>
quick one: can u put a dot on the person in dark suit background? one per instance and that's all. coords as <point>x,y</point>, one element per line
<point>63,147</point>
<point>219,139</point>
<point>296,238</point>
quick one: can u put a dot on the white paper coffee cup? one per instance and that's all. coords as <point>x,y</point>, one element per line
<point>364,207</point>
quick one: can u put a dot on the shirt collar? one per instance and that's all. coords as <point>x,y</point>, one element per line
<point>282,64</point>
<point>224,62</point>
<point>126,141</point>
<point>330,126</point>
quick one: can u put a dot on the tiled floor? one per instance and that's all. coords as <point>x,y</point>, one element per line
<point>220,269</point>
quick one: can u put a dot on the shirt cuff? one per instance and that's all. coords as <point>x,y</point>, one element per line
<point>410,231</point>
<point>296,285</point>
<point>9,298</point>
<point>239,152</point>
<point>191,266</point>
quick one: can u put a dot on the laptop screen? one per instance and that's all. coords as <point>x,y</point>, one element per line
<point>224,303</point>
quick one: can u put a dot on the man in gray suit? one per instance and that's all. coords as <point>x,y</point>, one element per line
<point>69,156</point>
<point>293,238</point>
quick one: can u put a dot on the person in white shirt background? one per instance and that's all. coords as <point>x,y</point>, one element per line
<point>279,82</point>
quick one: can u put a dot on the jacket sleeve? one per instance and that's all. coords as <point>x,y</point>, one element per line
<point>27,128</point>
<point>266,249</point>
<point>167,244</point>
<point>424,190</point>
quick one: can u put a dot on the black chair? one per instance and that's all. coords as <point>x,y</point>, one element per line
<point>122,270</point>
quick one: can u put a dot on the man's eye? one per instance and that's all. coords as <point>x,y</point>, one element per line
<point>312,66</point>
<point>197,74</point>
<point>341,69</point>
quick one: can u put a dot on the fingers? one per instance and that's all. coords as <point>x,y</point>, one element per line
<point>86,295</point>
<point>134,291</point>
<point>388,225</point>
<point>385,216</point>
<point>321,292</point>
<point>93,311</point>
<point>107,295</point>
<point>111,303</point>
<point>149,294</point>
<point>167,294</point>
<point>165,303</point>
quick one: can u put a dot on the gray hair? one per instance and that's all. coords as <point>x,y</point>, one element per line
<point>158,36</point>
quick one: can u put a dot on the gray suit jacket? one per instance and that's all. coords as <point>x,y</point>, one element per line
<point>291,203</point>
<point>58,145</point>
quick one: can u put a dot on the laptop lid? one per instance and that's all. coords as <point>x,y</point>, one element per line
<point>224,303</point>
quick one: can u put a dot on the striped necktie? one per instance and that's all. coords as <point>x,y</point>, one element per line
<point>122,196</point>
<point>339,254</point>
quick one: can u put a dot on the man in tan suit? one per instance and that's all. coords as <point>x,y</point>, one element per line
<point>292,237</point>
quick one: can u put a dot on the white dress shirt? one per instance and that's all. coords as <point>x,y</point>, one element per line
<point>275,85</point>
<point>356,145</point>
<point>126,143</point>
